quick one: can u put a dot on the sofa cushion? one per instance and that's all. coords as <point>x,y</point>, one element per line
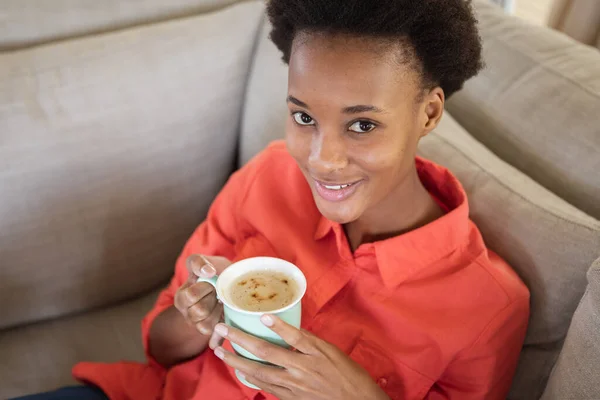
<point>536,105</point>
<point>112,149</point>
<point>39,357</point>
<point>576,374</point>
<point>550,243</point>
<point>30,22</point>
<point>265,109</point>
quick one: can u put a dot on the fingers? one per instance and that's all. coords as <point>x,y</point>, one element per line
<point>189,295</point>
<point>199,266</point>
<point>281,392</point>
<point>192,292</point>
<point>266,374</point>
<point>216,340</point>
<point>206,326</point>
<point>297,338</point>
<point>202,309</point>
<point>260,348</point>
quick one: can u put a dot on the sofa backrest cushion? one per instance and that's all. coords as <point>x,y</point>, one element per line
<point>111,149</point>
<point>265,109</point>
<point>576,374</point>
<point>31,22</point>
<point>536,105</point>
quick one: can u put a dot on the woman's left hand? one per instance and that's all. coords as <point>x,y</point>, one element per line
<point>317,370</point>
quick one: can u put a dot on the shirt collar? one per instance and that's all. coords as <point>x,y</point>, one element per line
<point>324,226</point>
<point>402,256</point>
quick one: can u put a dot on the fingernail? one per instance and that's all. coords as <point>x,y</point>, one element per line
<point>221,330</point>
<point>219,352</point>
<point>207,271</point>
<point>267,320</point>
<point>241,375</point>
<point>204,331</point>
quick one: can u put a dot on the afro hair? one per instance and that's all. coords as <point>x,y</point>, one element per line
<point>442,33</point>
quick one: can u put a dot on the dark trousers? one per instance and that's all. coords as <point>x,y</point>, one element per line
<point>69,393</point>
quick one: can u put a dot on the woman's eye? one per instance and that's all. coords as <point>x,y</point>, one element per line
<point>303,119</point>
<point>362,126</point>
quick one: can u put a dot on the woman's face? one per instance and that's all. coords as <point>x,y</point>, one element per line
<point>356,114</point>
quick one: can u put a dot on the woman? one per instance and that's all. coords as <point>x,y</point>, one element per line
<point>404,301</point>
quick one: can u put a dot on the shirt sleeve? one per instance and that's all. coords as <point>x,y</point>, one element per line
<point>486,369</point>
<point>215,237</point>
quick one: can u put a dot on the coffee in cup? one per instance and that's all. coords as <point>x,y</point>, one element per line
<point>263,290</point>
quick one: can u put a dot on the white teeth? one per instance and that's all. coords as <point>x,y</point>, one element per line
<point>336,187</point>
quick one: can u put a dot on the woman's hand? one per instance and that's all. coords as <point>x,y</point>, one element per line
<point>197,301</point>
<point>174,333</point>
<point>317,370</point>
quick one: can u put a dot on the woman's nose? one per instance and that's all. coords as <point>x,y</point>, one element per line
<point>328,153</point>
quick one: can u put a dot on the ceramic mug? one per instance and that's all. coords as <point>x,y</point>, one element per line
<point>249,321</point>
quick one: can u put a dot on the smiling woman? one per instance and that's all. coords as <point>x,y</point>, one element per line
<point>365,84</point>
<point>403,299</point>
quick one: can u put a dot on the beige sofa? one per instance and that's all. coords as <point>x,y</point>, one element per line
<point>121,119</point>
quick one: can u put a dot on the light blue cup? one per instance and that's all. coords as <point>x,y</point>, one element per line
<point>249,321</point>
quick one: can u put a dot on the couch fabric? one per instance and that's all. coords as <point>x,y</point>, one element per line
<point>265,109</point>
<point>572,377</point>
<point>31,22</point>
<point>39,357</point>
<point>536,105</point>
<point>106,141</point>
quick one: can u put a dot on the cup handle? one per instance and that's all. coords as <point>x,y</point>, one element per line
<point>212,281</point>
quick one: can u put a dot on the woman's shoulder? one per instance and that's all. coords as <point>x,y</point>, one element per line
<point>273,177</point>
<point>277,206</point>
<point>503,277</point>
<point>273,167</point>
<point>274,155</point>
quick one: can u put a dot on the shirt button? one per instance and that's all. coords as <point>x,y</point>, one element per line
<point>382,382</point>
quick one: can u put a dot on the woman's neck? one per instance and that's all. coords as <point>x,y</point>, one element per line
<point>408,207</point>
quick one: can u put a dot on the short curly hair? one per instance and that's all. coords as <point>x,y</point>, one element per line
<point>442,33</point>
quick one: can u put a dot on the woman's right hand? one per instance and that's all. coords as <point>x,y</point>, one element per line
<point>197,301</point>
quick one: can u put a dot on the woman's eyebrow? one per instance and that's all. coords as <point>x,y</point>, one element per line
<point>361,108</point>
<point>299,103</point>
<point>357,109</point>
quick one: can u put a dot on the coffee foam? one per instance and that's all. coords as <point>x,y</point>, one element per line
<point>262,291</point>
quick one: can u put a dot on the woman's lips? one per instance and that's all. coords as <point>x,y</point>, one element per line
<point>336,191</point>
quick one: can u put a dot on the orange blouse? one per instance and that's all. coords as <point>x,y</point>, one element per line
<point>430,314</point>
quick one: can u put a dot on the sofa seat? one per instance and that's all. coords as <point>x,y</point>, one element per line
<point>48,350</point>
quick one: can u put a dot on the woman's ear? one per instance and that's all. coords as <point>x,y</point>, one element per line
<point>432,110</point>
